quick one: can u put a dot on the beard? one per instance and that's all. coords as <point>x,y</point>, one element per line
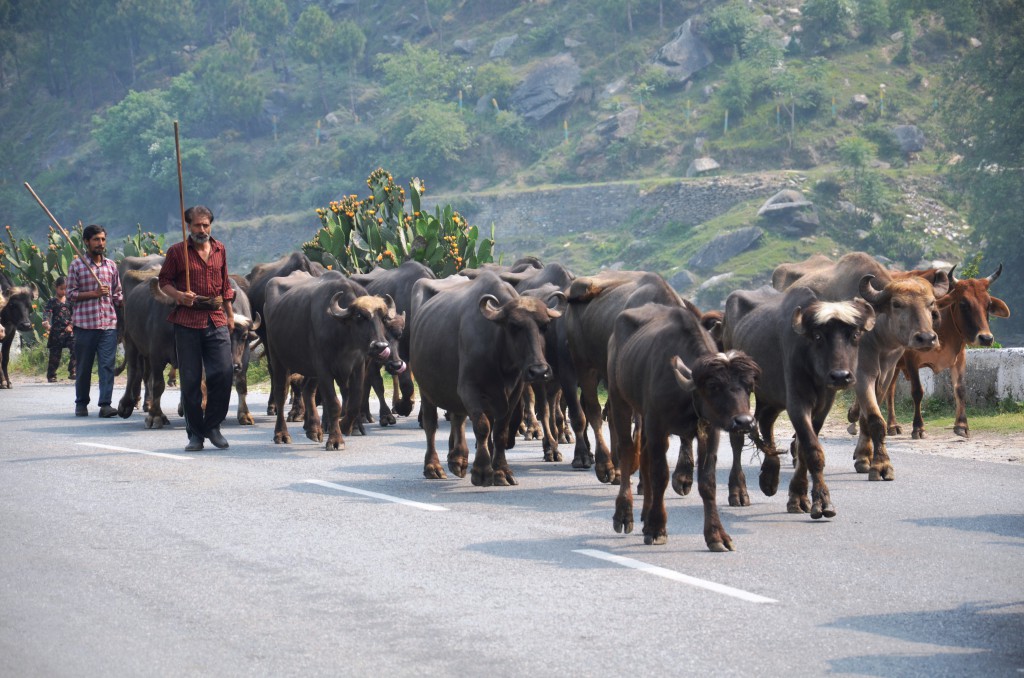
<point>200,239</point>
<point>99,250</point>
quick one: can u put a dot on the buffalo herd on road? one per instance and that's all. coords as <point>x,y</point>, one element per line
<point>525,348</point>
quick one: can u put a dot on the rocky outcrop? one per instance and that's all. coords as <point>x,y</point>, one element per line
<point>684,54</point>
<point>548,88</point>
<point>909,137</point>
<point>724,247</point>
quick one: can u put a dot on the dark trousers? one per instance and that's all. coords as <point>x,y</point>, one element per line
<point>91,345</point>
<point>54,362</point>
<point>207,349</point>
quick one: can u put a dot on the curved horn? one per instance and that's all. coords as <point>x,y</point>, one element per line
<point>953,280</point>
<point>682,374</point>
<point>995,276</point>
<point>334,308</point>
<point>256,321</point>
<point>391,306</point>
<point>557,301</point>
<point>868,291</point>
<point>797,321</point>
<point>490,308</point>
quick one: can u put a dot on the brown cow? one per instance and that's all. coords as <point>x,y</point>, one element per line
<point>963,321</point>
<point>906,310</point>
<point>664,368</point>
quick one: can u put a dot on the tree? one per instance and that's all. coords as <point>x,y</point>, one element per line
<point>984,116</point>
<point>312,40</point>
<point>418,74</point>
<point>351,44</point>
<point>267,20</point>
<point>873,19</point>
<point>727,26</point>
<point>827,21</point>
<point>229,92</point>
<point>433,135</point>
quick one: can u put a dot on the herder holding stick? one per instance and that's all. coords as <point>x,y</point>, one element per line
<point>195,275</point>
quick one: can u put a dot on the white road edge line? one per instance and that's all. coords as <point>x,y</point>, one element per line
<point>676,576</point>
<point>128,449</point>
<point>376,495</point>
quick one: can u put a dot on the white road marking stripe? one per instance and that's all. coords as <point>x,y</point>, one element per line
<point>376,495</point>
<point>128,449</point>
<point>677,576</point>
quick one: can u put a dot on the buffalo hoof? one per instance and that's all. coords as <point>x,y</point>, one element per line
<point>605,472</point>
<point>479,477</point>
<point>798,504</point>
<point>315,434</point>
<point>387,419</point>
<point>295,415</point>
<point>769,476</point>
<point>962,431</point>
<point>822,508</point>
<point>895,430</point>
<point>282,437</point>
<point>434,472</point>
<point>245,419</point>
<point>271,410</point>
<point>738,496</point>
<point>552,455</point>
<point>335,443</point>
<point>125,409</point>
<point>721,546</point>
<point>682,483</point>
<point>659,539</point>
<point>457,465</point>
<point>582,461</point>
<point>852,429</point>
<point>885,472</point>
<point>156,421</point>
<point>861,465</point>
<point>622,521</point>
<point>403,408</point>
<point>918,434</point>
<point>504,478</point>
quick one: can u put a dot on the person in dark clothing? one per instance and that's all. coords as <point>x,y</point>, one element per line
<point>57,321</point>
<point>203,320</point>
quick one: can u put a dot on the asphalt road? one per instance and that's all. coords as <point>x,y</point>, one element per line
<point>121,555</point>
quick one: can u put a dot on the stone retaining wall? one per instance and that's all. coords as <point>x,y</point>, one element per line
<point>992,375</point>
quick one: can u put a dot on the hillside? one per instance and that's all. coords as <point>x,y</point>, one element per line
<point>287,105</point>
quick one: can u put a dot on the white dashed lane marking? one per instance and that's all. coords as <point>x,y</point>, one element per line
<point>676,576</point>
<point>376,495</point>
<point>129,449</point>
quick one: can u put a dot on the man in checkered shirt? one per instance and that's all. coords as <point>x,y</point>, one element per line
<point>94,287</point>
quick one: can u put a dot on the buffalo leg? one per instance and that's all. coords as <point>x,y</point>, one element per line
<point>279,390</point>
<point>892,425</point>
<point>156,417</point>
<point>917,393</point>
<point>432,469</point>
<point>311,422</point>
<point>682,476</point>
<point>458,448</point>
<point>956,375</point>
<point>715,536</point>
<point>242,389</point>
<point>483,473</point>
<point>332,412</point>
<point>627,449</point>
<point>604,463</point>
<point>737,478</point>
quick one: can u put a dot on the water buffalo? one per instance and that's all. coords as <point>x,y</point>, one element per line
<point>259,277</point>
<point>398,284</point>
<point>15,316</point>
<point>808,351</point>
<point>906,311</point>
<point>324,328</point>
<point>594,303</point>
<point>474,346</point>
<point>665,369</point>
<point>963,321</point>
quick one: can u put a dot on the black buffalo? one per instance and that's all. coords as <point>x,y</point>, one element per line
<point>808,351</point>
<point>475,345</point>
<point>15,316</point>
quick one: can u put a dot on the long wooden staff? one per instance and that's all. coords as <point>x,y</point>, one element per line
<point>181,203</point>
<point>67,235</point>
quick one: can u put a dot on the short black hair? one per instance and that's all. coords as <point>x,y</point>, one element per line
<point>61,280</point>
<point>91,231</point>
<point>195,211</point>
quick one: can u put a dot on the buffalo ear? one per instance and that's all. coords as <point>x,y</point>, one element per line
<point>683,375</point>
<point>941,284</point>
<point>391,306</point>
<point>490,308</point>
<point>797,321</point>
<point>256,321</point>
<point>867,314</point>
<point>998,308</point>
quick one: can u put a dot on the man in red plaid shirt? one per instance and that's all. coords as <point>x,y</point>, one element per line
<point>94,287</point>
<point>203,322</point>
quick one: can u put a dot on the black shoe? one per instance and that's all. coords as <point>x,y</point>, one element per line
<point>81,411</point>
<point>106,411</point>
<point>195,443</point>
<point>218,440</point>
<point>52,380</point>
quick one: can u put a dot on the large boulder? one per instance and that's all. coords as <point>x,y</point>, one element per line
<point>548,88</point>
<point>684,54</point>
<point>909,137</point>
<point>502,46</point>
<point>701,166</point>
<point>789,212</point>
<point>724,247</point>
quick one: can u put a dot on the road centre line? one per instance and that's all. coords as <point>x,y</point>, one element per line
<point>676,576</point>
<point>129,449</point>
<point>376,495</point>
